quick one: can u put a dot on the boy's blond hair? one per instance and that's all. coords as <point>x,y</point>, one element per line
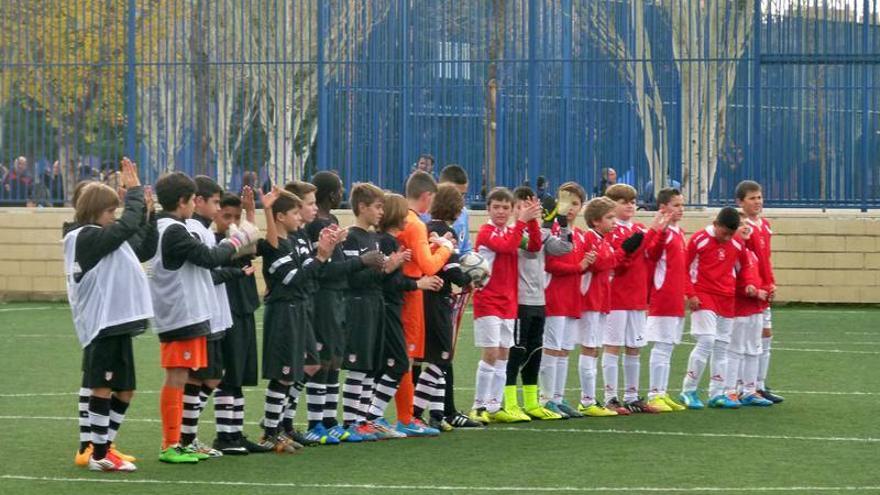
<point>598,208</point>
<point>395,211</point>
<point>623,192</point>
<point>364,193</point>
<point>93,200</point>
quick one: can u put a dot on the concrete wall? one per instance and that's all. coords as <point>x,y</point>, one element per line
<point>819,257</point>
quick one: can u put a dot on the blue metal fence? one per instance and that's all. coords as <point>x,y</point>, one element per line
<point>697,94</point>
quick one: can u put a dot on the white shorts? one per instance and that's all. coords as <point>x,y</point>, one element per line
<point>591,327</point>
<point>746,336</point>
<point>560,333</point>
<point>625,328</point>
<point>706,322</point>
<point>768,318</point>
<point>492,331</point>
<point>666,329</point>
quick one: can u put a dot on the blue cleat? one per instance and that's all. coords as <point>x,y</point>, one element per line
<point>755,400</point>
<point>722,401</point>
<point>554,407</point>
<point>385,431</point>
<point>691,400</point>
<point>417,429</point>
<point>343,435</point>
<point>321,436</point>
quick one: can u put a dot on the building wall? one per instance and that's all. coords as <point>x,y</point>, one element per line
<point>828,257</point>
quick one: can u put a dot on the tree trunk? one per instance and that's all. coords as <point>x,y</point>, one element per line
<point>68,157</point>
<point>496,51</point>
<point>202,89</point>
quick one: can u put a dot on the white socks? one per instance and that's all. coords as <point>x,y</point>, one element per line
<point>764,361</point>
<point>661,356</point>
<point>719,368</point>
<point>609,374</point>
<point>697,362</point>
<point>547,376</point>
<point>734,365</point>
<point>561,378</point>
<point>750,374</point>
<point>498,383</point>
<point>587,372</point>
<point>485,377</point>
<point>631,367</point>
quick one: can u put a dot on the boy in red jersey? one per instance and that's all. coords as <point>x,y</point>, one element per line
<point>750,199</point>
<point>745,341</point>
<point>629,303</point>
<point>712,254</point>
<point>495,304</point>
<point>595,290</point>
<point>669,282</point>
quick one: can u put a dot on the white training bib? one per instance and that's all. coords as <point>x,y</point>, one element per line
<point>112,293</point>
<point>221,319</point>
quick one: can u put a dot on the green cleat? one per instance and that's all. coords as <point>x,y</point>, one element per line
<point>176,455</point>
<point>195,452</point>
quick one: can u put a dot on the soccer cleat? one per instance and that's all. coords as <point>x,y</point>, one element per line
<point>615,405</point>
<point>596,411</point>
<point>345,435</point>
<point>570,411</point>
<point>201,448</point>
<point>554,408</point>
<point>365,430</point>
<point>542,413</point>
<point>299,437</point>
<point>176,455</point>
<point>734,398</point>
<point>769,395</point>
<point>722,401</point>
<point>640,406</point>
<point>675,406</point>
<point>440,424</point>
<point>755,400</point>
<point>461,420</point>
<point>81,459</point>
<point>320,435</point>
<point>503,416</point>
<point>251,447</point>
<point>230,447</point>
<point>111,463</point>
<point>691,400</point>
<point>386,431</point>
<point>202,456</point>
<point>659,405</point>
<point>278,443</point>
<point>479,415</point>
<point>517,412</point>
<point>124,457</point>
<point>416,429</point>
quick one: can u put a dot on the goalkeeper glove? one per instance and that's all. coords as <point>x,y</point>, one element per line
<point>243,236</point>
<point>630,245</point>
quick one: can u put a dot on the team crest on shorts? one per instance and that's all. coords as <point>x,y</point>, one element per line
<point>319,346</point>
<point>285,370</point>
<point>108,376</point>
<point>352,358</point>
<point>444,355</point>
<point>390,362</point>
<point>411,347</point>
<point>187,355</point>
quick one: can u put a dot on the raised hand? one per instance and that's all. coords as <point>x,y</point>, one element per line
<point>148,200</point>
<point>268,199</point>
<point>129,174</point>
<point>661,221</point>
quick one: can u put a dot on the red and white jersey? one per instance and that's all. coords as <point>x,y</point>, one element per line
<point>746,275</point>
<point>712,264</point>
<point>629,282</point>
<point>668,273</point>
<point>563,293</point>
<point>596,282</point>
<point>759,243</point>
<point>499,245</point>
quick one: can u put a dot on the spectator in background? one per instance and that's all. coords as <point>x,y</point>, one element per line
<point>608,179</point>
<point>18,184</point>
<point>541,186</point>
<point>425,163</point>
<point>53,181</point>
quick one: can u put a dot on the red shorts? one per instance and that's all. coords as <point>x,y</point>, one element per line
<point>190,353</point>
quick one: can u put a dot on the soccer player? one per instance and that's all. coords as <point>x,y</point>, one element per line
<point>439,332</point>
<point>750,198</point>
<point>177,274</point>
<point>395,359</point>
<point>563,299</point>
<point>240,342</point>
<point>495,304</point>
<point>202,382</point>
<point>110,303</point>
<point>745,340</point>
<point>669,279</point>
<point>420,190</point>
<point>291,280</point>
<point>525,355</point>
<point>625,325</point>
<point>712,254</point>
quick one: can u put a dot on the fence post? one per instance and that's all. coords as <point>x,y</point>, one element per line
<point>866,123</point>
<point>755,128</point>
<point>131,84</point>
<point>566,88</point>
<point>533,118</point>
<point>323,101</point>
<point>405,93</point>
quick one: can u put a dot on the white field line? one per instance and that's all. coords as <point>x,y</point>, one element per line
<point>31,308</point>
<point>586,431</point>
<point>447,488</point>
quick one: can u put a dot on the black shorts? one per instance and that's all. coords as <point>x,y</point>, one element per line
<point>438,329</point>
<point>214,370</point>
<point>109,363</point>
<point>528,330</point>
<point>330,335</point>
<point>395,359</point>
<point>365,318</point>
<point>240,352</point>
<point>310,342</point>
<point>285,326</point>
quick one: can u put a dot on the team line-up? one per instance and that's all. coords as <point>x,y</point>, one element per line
<point>383,298</point>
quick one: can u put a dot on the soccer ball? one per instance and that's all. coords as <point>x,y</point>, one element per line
<point>475,266</point>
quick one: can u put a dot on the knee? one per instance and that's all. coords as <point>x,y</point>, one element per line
<point>124,395</point>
